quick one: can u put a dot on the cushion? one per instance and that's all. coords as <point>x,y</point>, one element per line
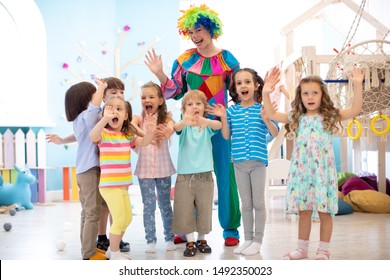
<point>371,180</point>
<point>368,201</point>
<point>344,208</point>
<point>355,183</point>
<point>341,195</point>
<point>343,176</point>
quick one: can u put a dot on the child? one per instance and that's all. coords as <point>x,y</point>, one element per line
<point>155,167</point>
<point>312,184</point>
<point>247,125</point>
<point>82,106</point>
<point>115,135</point>
<point>194,182</point>
<point>115,87</point>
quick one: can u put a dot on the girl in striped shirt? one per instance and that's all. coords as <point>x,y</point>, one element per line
<point>115,136</point>
<point>247,125</point>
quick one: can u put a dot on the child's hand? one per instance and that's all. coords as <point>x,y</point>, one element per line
<point>108,113</point>
<point>271,79</point>
<point>163,131</point>
<point>200,121</point>
<point>54,138</point>
<point>187,119</point>
<point>102,85</point>
<point>150,123</point>
<point>217,109</point>
<point>357,75</point>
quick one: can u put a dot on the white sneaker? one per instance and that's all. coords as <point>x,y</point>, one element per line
<point>246,244</point>
<point>118,256</point>
<point>170,246</point>
<point>151,248</point>
<point>252,249</point>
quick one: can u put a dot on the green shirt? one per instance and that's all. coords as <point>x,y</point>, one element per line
<point>195,150</point>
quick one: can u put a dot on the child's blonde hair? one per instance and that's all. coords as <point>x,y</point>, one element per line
<point>194,95</point>
<point>330,114</point>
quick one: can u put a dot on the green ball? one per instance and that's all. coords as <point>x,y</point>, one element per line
<point>7,226</point>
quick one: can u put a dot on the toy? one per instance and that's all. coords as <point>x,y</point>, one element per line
<point>20,192</point>
<point>60,245</point>
<point>7,226</point>
<point>12,212</point>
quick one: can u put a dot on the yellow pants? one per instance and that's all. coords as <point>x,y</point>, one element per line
<point>118,202</point>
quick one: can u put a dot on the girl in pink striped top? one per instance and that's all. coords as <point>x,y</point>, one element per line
<point>154,167</point>
<point>115,136</point>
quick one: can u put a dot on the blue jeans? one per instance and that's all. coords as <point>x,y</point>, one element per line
<point>163,187</point>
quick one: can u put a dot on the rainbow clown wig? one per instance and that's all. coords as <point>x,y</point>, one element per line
<point>196,16</point>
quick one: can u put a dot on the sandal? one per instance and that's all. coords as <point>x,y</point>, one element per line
<point>322,255</point>
<point>190,250</point>
<point>203,247</point>
<point>297,254</point>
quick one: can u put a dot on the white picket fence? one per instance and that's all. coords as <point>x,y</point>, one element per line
<point>21,149</point>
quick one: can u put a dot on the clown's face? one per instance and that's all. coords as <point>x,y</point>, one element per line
<point>200,36</point>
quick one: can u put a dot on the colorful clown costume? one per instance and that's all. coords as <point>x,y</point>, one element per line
<point>213,76</point>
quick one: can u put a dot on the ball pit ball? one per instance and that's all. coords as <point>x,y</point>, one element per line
<point>60,245</point>
<point>12,212</point>
<point>7,226</point>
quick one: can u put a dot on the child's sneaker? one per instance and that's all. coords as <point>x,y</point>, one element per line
<point>322,255</point>
<point>151,248</point>
<point>297,254</point>
<point>103,245</point>
<point>124,246</point>
<point>170,246</point>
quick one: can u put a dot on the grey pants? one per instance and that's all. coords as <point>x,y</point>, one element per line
<point>250,178</point>
<point>91,203</point>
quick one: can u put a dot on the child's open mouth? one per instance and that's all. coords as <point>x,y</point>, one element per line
<point>115,120</point>
<point>148,109</point>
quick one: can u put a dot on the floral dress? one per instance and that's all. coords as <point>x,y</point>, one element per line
<point>312,183</point>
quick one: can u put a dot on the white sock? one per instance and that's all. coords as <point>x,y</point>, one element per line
<point>303,244</point>
<point>190,237</point>
<point>252,249</point>
<point>201,236</point>
<point>170,246</point>
<point>151,248</point>
<point>238,250</point>
<point>324,246</point>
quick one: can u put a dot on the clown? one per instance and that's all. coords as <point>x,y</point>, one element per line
<point>209,69</point>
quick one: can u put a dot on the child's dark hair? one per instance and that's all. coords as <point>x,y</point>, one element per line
<point>127,128</point>
<point>330,114</point>
<point>113,83</point>
<point>256,80</point>
<point>163,115</point>
<point>77,98</point>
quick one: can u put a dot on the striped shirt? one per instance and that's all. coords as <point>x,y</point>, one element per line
<point>115,159</point>
<point>248,132</point>
<point>154,161</point>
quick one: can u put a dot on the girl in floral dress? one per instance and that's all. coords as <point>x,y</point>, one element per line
<point>312,184</point>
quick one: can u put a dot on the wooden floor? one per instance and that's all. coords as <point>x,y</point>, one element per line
<point>34,234</point>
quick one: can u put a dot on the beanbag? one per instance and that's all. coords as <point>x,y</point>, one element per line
<point>369,201</point>
<point>344,208</point>
<point>355,183</point>
<point>342,177</point>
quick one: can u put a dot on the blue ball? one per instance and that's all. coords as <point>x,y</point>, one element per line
<point>7,226</point>
<point>12,212</point>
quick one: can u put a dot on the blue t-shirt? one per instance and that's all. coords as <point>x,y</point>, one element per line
<point>248,133</point>
<point>87,151</point>
<point>195,150</point>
